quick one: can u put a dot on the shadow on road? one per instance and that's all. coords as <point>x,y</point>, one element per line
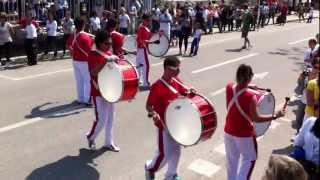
<point>52,110</point>
<point>283,151</point>
<point>79,167</point>
<point>234,50</point>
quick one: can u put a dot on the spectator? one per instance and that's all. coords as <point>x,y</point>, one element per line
<point>281,167</point>
<point>311,51</point>
<point>51,40</point>
<point>196,40</point>
<point>124,21</point>
<point>185,22</point>
<point>238,18</point>
<point>6,33</point>
<point>155,25</point>
<point>310,16</point>
<point>68,29</point>
<point>94,21</point>
<point>312,95</point>
<point>31,41</point>
<point>272,11</point>
<point>133,13</point>
<point>165,20</point>
<point>306,146</point>
<point>300,11</point>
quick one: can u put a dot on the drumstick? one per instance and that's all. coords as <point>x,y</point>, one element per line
<point>261,89</point>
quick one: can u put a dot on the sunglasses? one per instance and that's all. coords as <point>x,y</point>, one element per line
<point>174,68</point>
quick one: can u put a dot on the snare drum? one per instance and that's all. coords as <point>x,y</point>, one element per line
<point>190,120</point>
<point>266,106</point>
<point>118,81</point>
<point>158,50</point>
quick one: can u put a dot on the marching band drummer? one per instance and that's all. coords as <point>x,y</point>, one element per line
<point>116,37</point>
<point>239,136</point>
<point>104,110</point>
<point>143,37</point>
<point>162,92</point>
<point>80,44</point>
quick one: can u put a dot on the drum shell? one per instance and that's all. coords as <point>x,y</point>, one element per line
<point>130,80</point>
<point>208,116</point>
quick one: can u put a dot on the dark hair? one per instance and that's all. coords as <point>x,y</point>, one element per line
<point>101,37</point>
<point>315,60</point>
<point>145,16</point>
<point>3,15</point>
<point>171,61</point>
<point>244,74</point>
<point>112,23</point>
<point>79,23</point>
<point>316,128</point>
<point>314,41</point>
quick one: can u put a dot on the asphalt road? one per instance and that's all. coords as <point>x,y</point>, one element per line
<point>42,132</point>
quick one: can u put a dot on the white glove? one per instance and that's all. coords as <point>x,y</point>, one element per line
<point>112,58</point>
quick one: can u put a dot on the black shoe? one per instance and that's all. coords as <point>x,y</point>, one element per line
<point>91,144</point>
<point>148,174</point>
<point>144,88</point>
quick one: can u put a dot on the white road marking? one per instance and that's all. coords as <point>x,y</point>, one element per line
<point>43,74</point>
<point>299,41</point>
<point>7,77</point>
<point>285,119</point>
<point>224,63</point>
<point>20,124</point>
<point>203,167</point>
<point>221,149</point>
<point>274,125</point>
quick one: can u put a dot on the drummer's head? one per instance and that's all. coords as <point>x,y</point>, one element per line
<point>79,23</point>
<point>171,66</point>
<point>111,25</point>
<point>146,19</point>
<point>102,40</point>
<point>244,74</point>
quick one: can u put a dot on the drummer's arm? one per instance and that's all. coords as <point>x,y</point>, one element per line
<point>258,117</point>
<point>95,71</point>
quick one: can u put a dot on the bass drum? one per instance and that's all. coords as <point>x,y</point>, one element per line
<point>190,120</point>
<point>266,106</point>
<point>118,81</point>
<point>159,49</point>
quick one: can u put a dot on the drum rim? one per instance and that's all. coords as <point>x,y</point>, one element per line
<point>165,51</point>
<point>131,35</point>
<point>269,122</point>
<point>118,69</point>
<point>202,127</point>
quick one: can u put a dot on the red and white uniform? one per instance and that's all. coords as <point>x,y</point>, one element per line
<point>239,138</point>
<point>80,44</point>
<point>104,110</point>
<point>143,35</point>
<point>168,151</point>
<point>117,43</point>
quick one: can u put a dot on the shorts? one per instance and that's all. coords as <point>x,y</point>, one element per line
<point>244,33</point>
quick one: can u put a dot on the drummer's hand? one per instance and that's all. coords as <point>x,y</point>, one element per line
<point>112,58</point>
<point>155,42</point>
<point>192,91</point>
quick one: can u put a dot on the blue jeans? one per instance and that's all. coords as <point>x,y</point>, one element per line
<point>195,46</point>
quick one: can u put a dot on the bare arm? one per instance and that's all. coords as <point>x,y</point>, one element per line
<point>262,118</point>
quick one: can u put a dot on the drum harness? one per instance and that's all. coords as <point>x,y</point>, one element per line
<point>234,100</point>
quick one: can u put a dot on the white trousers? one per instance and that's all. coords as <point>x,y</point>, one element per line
<point>142,59</point>
<point>168,152</point>
<point>246,147</point>
<point>82,76</point>
<point>104,113</point>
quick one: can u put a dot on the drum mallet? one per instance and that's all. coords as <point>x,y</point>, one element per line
<point>286,103</point>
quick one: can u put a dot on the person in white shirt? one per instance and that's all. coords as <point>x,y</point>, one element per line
<point>5,38</point>
<point>124,21</point>
<point>309,140</point>
<point>196,39</point>
<point>133,17</point>
<point>165,20</point>
<point>31,42</point>
<point>68,29</point>
<point>95,24</point>
<point>51,40</point>
<point>310,17</point>
<point>311,51</point>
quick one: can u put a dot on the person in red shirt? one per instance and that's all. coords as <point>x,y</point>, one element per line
<point>239,136</point>
<point>80,44</point>
<point>143,37</point>
<point>162,92</point>
<point>117,38</point>
<point>104,110</point>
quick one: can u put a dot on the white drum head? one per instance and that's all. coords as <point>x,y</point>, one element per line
<point>266,105</point>
<point>183,121</point>
<point>130,43</point>
<point>110,82</point>
<point>159,50</point>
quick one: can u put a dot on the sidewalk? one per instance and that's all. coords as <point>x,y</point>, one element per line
<point>22,59</point>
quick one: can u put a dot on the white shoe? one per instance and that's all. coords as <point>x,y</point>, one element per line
<point>112,147</point>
